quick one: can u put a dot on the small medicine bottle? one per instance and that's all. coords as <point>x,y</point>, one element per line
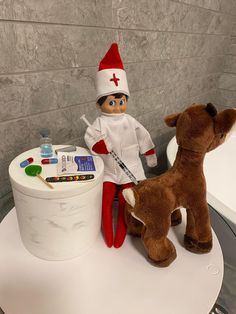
<point>45,143</point>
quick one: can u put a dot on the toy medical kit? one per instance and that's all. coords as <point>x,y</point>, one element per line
<point>34,171</point>
<point>70,148</point>
<point>48,161</point>
<point>45,143</point>
<point>114,155</point>
<point>26,162</point>
<point>83,177</point>
<point>69,163</point>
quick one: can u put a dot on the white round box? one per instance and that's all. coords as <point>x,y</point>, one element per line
<point>59,223</point>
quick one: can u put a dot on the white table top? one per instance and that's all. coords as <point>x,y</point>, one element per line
<point>220,174</point>
<point>107,280</point>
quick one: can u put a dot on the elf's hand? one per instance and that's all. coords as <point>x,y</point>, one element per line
<point>151,158</point>
<point>102,146</point>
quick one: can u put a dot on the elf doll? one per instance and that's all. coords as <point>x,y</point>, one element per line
<point>121,133</point>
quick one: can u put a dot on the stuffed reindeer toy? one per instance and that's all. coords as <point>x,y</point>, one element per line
<point>153,205</point>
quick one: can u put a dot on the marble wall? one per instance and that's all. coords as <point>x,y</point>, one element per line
<point>227,81</point>
<point>174,52</point>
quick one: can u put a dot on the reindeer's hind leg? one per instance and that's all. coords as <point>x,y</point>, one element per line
<point>198,236</point>
<point>159,248</point>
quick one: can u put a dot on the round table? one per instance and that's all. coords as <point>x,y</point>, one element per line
<point>107,280</point>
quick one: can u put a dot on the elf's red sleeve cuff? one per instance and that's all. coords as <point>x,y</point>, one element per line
<point>100,147</point>
<point>150,152</point>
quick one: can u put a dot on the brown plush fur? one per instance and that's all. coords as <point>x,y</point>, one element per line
<point>199,129</point>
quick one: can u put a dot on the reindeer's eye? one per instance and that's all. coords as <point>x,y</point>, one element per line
<point>221,135</point>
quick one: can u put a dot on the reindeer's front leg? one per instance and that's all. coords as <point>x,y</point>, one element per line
<point>198,236</point>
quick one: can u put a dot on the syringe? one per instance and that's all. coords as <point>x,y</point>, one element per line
<point>113,154</point>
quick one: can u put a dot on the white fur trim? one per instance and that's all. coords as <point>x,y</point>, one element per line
<point>133,214</point>
<point>108,144</point>
<point>129,196</point>
<point>151,160</point>
<point>105,86</point>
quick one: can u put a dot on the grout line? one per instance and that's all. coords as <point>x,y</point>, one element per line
<point>227,90</point>
<point>231,73</point>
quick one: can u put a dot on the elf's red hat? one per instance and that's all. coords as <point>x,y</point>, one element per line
<point>111,76</point>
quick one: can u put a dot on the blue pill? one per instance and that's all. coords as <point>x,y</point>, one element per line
<point>26,162</point>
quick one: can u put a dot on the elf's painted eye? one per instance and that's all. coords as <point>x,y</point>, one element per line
<point>122,102</point>
<point>112,103</point>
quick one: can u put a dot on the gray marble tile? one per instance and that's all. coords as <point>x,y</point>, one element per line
<point>232,49</point>
<point>14,140</point>
<point>190,19</point>
<point>59,123</point>
<point>169,16</point>
<point>227,98</point>
<point>146,46</point>
<point>32,47</point>
<point>145,100</point>
<point>145,75</point>
<point>234,30</point>
<point>138,46</point>
<point>153,121</point>
<point>221,24</point>
<point>27,94</point>
<point>78,126</point>
<point>195,45</point>
<point>12,97</point>
<point>83,12</point>
<point>224,6</point>
<point>230,64</point>
<point>192,68</point>
<point>137,14</point>
<point>228,81</point>
<point>207,4</point>
<point>209,96</point>
<point>228,6</point>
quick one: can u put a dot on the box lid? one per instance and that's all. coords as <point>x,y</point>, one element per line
<point>34,187</point>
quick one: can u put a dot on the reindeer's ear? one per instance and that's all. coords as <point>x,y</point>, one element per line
<point>171,120</point>
<point>211,109</point>
<point>225,120</point>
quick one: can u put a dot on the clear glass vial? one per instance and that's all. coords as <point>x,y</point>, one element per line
<point>45,144</point>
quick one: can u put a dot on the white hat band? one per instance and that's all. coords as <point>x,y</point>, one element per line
<point>111,81</point>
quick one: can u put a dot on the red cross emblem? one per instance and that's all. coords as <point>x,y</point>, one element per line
<point>115,79</point>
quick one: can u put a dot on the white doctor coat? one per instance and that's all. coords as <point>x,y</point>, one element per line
<point>128,139</point>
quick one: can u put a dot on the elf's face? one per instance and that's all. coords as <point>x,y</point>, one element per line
<point>114,105</point>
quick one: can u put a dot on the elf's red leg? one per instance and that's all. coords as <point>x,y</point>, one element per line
<point>108,194</point>
<point>121,227</point>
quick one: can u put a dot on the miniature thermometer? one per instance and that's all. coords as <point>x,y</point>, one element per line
<point>114,155</point>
